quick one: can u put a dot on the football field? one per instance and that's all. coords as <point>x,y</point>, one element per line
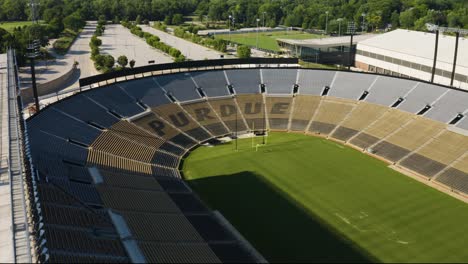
<point>307,199</point>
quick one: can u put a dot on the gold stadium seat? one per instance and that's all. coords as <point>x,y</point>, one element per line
<point>303,111</point>
<point>438,154</point>
<point>278,111</point>
<point>410,137</point>
<point>329,114</point>
<point>362,116</point>
<point>229,112</point>
<point>253,109</point>
<point>205,116</point>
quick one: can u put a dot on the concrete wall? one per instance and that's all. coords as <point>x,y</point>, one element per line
<point>48,87</point>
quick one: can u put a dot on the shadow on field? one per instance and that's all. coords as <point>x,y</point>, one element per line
<point>279,228</point>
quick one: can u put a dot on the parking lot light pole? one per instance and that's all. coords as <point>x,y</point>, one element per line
<point>326,23</point>
<point>258,20</point>
<point>229,23</point>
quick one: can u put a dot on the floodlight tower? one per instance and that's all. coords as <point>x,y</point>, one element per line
<point>458,32</point>
<point>351,31</point>
<point>33,52</point>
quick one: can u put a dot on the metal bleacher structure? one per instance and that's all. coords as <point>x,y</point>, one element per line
<point>105,185</point>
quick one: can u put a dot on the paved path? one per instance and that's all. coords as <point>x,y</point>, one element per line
<point>189,49</point>
<point>79,52</point>
<point>117,40</point>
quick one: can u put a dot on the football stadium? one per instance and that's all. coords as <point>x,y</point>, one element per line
<point>249,158</point>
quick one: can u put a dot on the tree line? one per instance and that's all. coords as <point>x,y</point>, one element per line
<point>298,13</point>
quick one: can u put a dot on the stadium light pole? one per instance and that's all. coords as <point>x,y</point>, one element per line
<point>458,32</point>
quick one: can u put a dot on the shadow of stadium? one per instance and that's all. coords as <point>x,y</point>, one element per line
<point>279,228</point>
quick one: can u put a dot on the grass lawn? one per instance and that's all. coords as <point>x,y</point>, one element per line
<point>9,26</point>
<point>266,40</point>
<point>308,199</point>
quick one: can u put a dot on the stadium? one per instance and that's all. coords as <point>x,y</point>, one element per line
<point>249,161</point>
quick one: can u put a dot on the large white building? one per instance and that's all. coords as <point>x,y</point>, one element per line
<point>411,54</point>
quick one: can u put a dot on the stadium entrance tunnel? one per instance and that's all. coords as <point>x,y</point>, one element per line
<point>274,223</point>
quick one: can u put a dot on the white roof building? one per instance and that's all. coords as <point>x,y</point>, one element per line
<point>411,54</point>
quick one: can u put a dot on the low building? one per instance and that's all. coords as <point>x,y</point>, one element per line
<point>327,50</point>
<point>411,54</point>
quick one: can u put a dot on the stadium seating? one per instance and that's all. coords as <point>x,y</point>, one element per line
<point>229,112</point>
<point>206,117</point>
<point>180,86</point>
<point>178,118</point>
<point>118,149</point>
<point>279,82</point>
<point>303,111</point>
<point>253,109</point>
<point>362,116</point>
<point>313,82</point>
<point>349,86</point>
<point>407,139</point>
<point>279,111</point>
<point>329,114</point>
<point>213,83</point>
<point>389,122</point>
<point>245,81</point>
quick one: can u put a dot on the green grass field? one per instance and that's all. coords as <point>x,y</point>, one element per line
<point>266,40</point>
<point>9,26</point>
<point>308,199</point>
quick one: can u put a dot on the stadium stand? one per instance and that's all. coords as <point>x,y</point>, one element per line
<point>229,112</point>
<point>180,86</point>
<point>329,114</point>
<point>253,109</point>
<point>381,128</point>
<point>279,110</point>
<point>107,159</point>
<point>279,82</point>
<point>146,91</point>
<point>312,82</point>
<point>303,111</point>
<point>178,118</point>
<point>424,94</point>
<point>449,106</point>
<point>386,91</point>
<point>407,139</point>
<point>213,83</point>
<point>245,81</point>
<point>347,85</point>
<point>116,100</point>
<point>438,154</point>
<point>361,117</point>
<point>206,117</point>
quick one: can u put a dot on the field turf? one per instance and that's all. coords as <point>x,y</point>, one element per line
<point>9,26</point>
<point>266,40</point>
<point>303,198</point>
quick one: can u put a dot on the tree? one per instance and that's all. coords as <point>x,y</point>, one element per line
<point>109,61</point>
<point>138,20</point>
<point>122,61</point>
<point>132,64</point>
<point>74,22</point>
<point>177,19</point>
<point>95,41</point>
<point>243,52</point>
<point>407,19</point>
